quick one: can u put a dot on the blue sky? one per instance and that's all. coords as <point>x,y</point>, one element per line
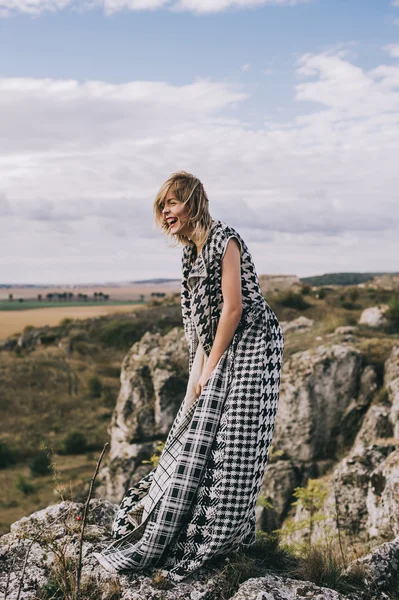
<point>287,111</point>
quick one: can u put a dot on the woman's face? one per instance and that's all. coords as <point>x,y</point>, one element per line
<point>175,215</point>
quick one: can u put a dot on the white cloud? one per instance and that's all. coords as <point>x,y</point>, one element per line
<point>245,67</point>
<point>392,49</point>
<point>80,164</point>
<point>36,7</point>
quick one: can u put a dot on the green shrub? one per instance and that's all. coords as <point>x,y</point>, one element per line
<point>25,486</point>
<point>95,386</point>
<point>349,305</point>
<point>7,456</point>
<point>306,290</point>
<point>119,334</point>
<point>353,294</point>
<point>392,315</point>
<point>75,443</point>
<point>322,293</point>
<point>294,300</point>
<point>40,464</point>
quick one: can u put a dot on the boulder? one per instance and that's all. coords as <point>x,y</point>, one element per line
<point>373,316</point>
<point>321,404</point>
<point>299,323</point>
<point>275,587</point>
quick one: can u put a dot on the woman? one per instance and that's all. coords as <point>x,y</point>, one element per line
<point>200,500</point>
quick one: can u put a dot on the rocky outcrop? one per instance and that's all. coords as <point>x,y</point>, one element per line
<point>374,316</point>
<point>391,383</point>
<point>51,536</point>
<point>323,397</point>
<point>325,393</point>
<point>299,323</point>
<point>275,587</point>
<point>39,555</point>
<point>387,282</point>
<point>363,487</point>
<point>279,283</point>
<point>153,384</point>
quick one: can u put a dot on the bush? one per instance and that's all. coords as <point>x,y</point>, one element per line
<point>349,305</point>
<point>40,464</point>
<point>75,443</point>
<point>392,315</point>
<point>119,334</point>
<point>294,300</point>
<point>305,291</point>
<point>353,294</point>
<point>95,386</point>
<point>322,293</point>
<point>7,456</point>
<point>25,486</point>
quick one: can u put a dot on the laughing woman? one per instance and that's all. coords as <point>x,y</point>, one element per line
<point>199,502</point>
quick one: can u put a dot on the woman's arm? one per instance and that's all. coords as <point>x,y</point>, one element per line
<point>231,312</point>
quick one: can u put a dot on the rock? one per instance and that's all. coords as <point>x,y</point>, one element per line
<point>381,568</point>
<point>374,316</point>
<point>345,329</point>
<point>8,344</point>
<point>154,379</point>
<point>276,587</point>
<point>56,531</point>
<point>299,323</point>
<point>388,282</point>
<point>347,488</point>
<point>321,402</point>
<point>383,499</point>
<point>391,383</point>
<point>376,425</point>
<point>281,477</point>
<point>279,283</point>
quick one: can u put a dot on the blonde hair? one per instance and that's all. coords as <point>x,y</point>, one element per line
<point>189,190</point>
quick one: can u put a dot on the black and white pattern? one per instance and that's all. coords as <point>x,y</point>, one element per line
<point>200,500</point>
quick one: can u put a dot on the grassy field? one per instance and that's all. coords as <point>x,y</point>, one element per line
<point>45,390</point>
<point>32,304</point>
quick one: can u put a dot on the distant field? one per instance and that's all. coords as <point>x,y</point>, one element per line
<point>31,304</point>
<point>122,292</point>
<point>14,321</point>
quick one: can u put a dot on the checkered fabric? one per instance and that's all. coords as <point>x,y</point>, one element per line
<point>200,500</point>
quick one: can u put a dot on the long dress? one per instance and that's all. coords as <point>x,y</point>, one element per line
<point>200,500</point>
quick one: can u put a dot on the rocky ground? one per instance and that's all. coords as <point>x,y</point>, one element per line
<point>38,557</point>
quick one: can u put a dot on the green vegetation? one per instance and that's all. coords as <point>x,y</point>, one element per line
<point>7,456</point>
<point>31,304</point>
<point>95,386</point>
<point>341,278</point>
<point>25,486</point>
<point>294,300</point>
<point>74,443</point>
<point>392,316</point>
<point>40,464</point>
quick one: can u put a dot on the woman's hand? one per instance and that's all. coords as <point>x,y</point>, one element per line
<point>203,380</point>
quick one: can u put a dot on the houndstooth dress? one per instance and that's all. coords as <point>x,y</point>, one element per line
<point>200,500</point>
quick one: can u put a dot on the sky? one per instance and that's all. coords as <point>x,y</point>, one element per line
<point>287,111</point>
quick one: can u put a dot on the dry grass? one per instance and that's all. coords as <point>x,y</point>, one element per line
<point>73,475</point>
<point>12,322</point>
